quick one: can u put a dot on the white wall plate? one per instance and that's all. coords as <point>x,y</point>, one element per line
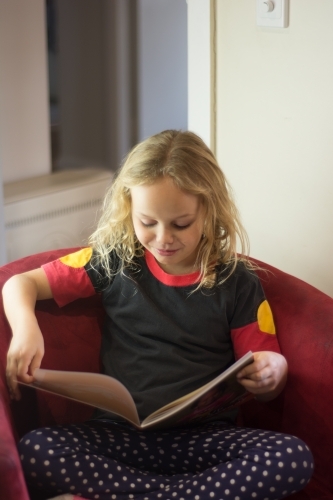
<point>273,13</point>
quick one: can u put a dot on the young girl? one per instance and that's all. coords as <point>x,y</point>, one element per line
<point>180,307</point>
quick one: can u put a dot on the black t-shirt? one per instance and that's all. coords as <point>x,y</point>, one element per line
<point>162,338</point>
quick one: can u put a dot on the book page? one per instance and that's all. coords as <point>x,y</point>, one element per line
<point>95,389</point>
<point>105,392</point>
<point>208,402</point>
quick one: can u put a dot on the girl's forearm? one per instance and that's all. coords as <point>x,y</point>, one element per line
<point>26,349</point>
<point>19,299</point>
<point>20,294</point>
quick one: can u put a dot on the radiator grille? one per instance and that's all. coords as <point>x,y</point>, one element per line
<point>77,207</point>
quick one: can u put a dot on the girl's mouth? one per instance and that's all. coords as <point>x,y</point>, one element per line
<point>165,253</point>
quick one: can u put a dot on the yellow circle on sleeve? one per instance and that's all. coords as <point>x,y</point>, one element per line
<point>265,318</point>
<point>77,259</point>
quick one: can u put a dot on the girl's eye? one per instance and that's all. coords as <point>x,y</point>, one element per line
<point>146,224</point>
<point>181,227</point>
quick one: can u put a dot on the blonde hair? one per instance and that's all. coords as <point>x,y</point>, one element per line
<point>185,158</point>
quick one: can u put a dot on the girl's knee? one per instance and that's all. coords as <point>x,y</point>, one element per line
<point>34,449</point>
<point>302,462</point>
<point>295,462</point>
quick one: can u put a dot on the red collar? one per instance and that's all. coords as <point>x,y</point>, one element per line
<point>170,279</point>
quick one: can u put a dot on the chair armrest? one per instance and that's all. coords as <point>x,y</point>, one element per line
<point>12,484</point>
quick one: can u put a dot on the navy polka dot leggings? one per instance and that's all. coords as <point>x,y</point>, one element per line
<point>103,460</point>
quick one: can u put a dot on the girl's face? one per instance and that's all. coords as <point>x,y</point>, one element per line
<point>169,223</point>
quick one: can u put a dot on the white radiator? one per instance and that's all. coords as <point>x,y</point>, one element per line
<point>58,210</point>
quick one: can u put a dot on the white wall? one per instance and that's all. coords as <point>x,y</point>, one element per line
<point>162,66</point>
<point>274,132</point>
<point>24,115</point>
<point>201,41</point>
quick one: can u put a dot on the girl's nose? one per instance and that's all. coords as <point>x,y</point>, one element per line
<point>164,236</point>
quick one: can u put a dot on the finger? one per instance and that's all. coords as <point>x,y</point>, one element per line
<point>255,367</point>
<point>23,370</point>
<point>12,384</point>
<point>257,387</point>
<point>36,362</point>
<point>261,375</point>
<point>21,373</point>
<point>248,372</point>
<point>260,378</point>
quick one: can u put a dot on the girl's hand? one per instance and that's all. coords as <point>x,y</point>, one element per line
<point>26,350</point>
<point>266,376</point>
<point>25,354</point>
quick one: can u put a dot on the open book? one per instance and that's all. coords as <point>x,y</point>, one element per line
<point>209,402</point>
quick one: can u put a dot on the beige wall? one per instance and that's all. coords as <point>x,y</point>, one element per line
<point>275,132</point>
<point>201,20</point>
<point>24,113</point>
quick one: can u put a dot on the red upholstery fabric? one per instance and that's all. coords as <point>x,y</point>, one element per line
<point>304,320</point>
<point>72,341</point>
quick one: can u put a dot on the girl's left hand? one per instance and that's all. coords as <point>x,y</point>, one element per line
<point>266,376</point>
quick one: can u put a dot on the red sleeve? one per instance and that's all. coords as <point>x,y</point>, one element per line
<point>257,336</point>
<point>68,278</point>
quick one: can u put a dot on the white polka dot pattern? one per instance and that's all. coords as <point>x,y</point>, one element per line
<point>105,461</point>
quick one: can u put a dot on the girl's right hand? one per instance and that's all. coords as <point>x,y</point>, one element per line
<point>24,356</point>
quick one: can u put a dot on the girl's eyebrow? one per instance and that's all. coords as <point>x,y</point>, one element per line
<point>178,216</point>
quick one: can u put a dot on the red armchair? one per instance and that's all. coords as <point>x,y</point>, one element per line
<point>304,320</point>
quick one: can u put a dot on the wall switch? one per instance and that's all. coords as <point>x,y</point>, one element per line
<point>273,13</point>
